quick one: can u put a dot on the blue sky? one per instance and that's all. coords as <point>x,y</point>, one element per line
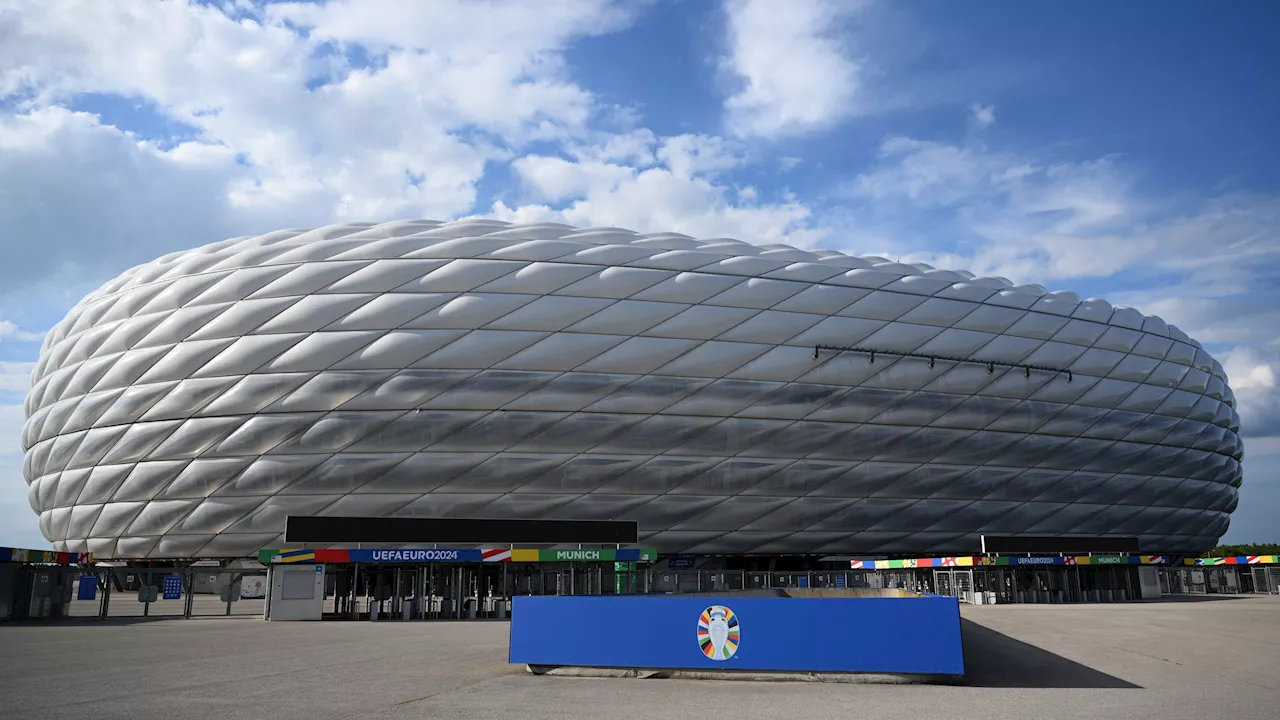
<point>1121,150</point>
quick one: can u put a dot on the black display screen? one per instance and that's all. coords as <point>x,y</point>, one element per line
<point>1049,545</point>
<point>350,530</point>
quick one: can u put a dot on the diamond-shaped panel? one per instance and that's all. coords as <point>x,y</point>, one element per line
<point>484,369</point>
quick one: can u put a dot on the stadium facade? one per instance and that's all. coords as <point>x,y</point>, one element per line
<point>731,398</point>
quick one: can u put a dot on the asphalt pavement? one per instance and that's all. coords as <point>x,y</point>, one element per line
<point>1204,658</point>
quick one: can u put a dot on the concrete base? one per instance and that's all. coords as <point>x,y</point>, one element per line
<point>598,672</point>
<point>641,674</point>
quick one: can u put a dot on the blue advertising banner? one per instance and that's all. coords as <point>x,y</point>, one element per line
<point>172,587</point>
<point>636,555</point>
<point>88,588</point>
<point>462,555</point>
<point>871,635</point>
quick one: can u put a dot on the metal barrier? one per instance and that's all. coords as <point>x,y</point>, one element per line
<point>1219,580</point>
<point>159,592</point>
<point>1265,580</point>
<point>443,592</point>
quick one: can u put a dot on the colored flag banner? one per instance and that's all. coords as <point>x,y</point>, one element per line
<point>1237,560</point>
<point>8,554</point>
<point>341,555</point>
<point>1043,560</point>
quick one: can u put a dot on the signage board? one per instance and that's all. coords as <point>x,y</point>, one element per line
<point>414,556</point>
<point>1108,560</point>
<point>88,588</point>
<point>981,561</point>
<point>172,587</point>
<point>459,555</point>
<point>602,555</point>
<point>918,635</point>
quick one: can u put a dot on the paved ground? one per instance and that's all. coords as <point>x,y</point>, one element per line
<point>1199,660</point>
<point>126,605</point>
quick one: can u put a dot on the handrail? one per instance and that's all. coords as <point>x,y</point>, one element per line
<point>991,364</point>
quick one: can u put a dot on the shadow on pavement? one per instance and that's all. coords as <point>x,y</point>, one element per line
<point>996,660</point>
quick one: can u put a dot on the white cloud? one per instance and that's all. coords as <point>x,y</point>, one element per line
<point>671,184</point>
<point>634,147</point>
<point>688,155</point>
<point>983,115</point>
<point>1032,219</point>
<point>10,331</point>
<point>459,28</point>
<point>12,417</point>
<point>19,526</point>
<point>679,194</point>
<point>15,377</point>
<point>131,200</point>
<point>930,173</point>
<point>281,127</point>
<point>794,67</point>
<point>554,179</point>
<point>1249,371</point>
<point>1253,375</point>
<point>657,199</point>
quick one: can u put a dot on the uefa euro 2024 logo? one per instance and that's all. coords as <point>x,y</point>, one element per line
<point>718,632</point>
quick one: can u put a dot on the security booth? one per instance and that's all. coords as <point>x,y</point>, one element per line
<point>437,568</point>
<point>38,583</point>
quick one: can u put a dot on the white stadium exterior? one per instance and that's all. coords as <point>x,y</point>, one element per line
<point>487,370</point>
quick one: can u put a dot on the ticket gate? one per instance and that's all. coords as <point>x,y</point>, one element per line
<point>436,591</point>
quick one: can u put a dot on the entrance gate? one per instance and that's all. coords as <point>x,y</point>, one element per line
<point>1266,579</point>
<point>435,591</point>
<point>409,587</point>
<point>954,583</point>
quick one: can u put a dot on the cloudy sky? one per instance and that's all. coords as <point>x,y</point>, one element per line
<point>1121,150</point>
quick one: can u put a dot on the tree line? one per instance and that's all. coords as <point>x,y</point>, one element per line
<point>1247,549</point>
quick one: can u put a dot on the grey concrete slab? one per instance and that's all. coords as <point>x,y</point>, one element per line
<point>1208,659</point>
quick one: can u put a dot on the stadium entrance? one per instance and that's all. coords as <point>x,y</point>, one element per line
<point>444,584</point>
<point>420,583</point>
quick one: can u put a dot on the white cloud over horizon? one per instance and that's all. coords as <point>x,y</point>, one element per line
<point>794,64</point>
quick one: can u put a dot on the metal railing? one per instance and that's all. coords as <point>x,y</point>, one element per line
<point>991,364</point>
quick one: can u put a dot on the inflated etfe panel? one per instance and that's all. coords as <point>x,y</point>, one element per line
<point>487,370</point>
